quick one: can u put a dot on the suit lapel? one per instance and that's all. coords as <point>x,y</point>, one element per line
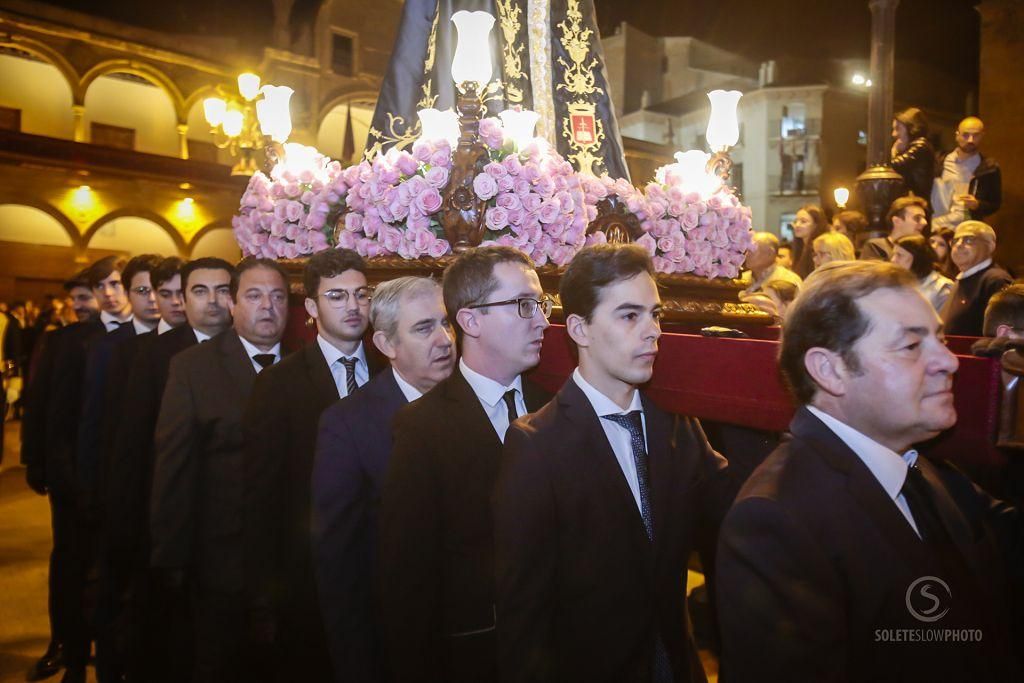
<point>954,521</point>
<point>476,427</point>
<point>578,410</point>
<point>320,377</point>
<point>533,396</point>
<point>237,362</point>
<point>659,466</point>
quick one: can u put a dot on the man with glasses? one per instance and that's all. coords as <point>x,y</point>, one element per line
<point>436,533</point>
<point>974,243</point>
<point>280,428</point>
<point>196,507</point>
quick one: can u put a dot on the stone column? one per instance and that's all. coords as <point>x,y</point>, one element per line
<point>183,140</point>
<point>78,112</point>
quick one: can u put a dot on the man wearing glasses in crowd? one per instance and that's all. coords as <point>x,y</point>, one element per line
<point>280,428</point>
<point>436,534</point>
<point>974,243</point>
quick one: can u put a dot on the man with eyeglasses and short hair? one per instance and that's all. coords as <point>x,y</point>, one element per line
<point>436,533</point>
<point>974,243</point>
<point>280,428</point>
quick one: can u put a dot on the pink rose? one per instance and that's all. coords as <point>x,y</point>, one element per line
<point>316,221</point>
<point>548,211</point>
<point>437,177</point>
<point>596,238</point>
<point>438,248</point>
<point>530,172</point>
<point>506,184</point>
<point>689,218</point>
<point>407,164</point>
<point>515,217</point>
<point>544,187</point>
<point>398,210</point>
<point>429,200</point>
<point>391,238</point>
<point>522,187</point>
<point>648,243</point>
<point>485,186</point>
<point>496,218</point>
<point>662,265</point>
<point>495,170</point>
<point>417,220</point>
<point>532,202</point>
<point>277,228</point>
<point>291,230</point>
<point>512,164</point>
<point>416,185</point>
<point>666,244</point>
<point>421,240</point>
<point>440,158</point>
<point>353,222</point>
<point>509,201</point>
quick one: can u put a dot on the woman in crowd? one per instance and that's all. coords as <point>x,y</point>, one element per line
<point>912,155</point>
<point>832,246</point>
<point>808,225</point>
<point>942,242</point>
<point>850,224</point>
<point>916,255</point>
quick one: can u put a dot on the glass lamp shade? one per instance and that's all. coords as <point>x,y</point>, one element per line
<point>232,123</point>
<point>273,113</point>
<point>519,125</point>
<point>472,60</point>
<point>842,195</point>
<point>690,170</point>
<point>439,125</point>
<point>723,125</point>
<point>214,109</point>
<point>249,85</point>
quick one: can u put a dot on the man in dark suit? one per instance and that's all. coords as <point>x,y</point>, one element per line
<point>68,482</point>
<point>847,556</point>
<point>280,425</point>
<point>197,497</point>
<point>160,637</point>
<point>436,534</point>
<point>34,456</point>
<point>601,498</point>
<point>974,243</point>
<point>412,329</point>
<point>907,216</point>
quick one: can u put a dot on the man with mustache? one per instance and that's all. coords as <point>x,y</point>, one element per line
<point>969,184</point>
<point>157,621</point>
<point>280,427</point>
<point>197,497</point>
<point>848,556</point>
<point>436,532</point>
<point>601,498</point>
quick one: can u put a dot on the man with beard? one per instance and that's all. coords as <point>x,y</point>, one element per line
<point>33,452</point>
<point>197,497</point>
<point>436,533</point>
<point>601,498</point>
<point>280,425</point>
<point>969,184</point>
<point>847,555</point>
<point>412,329</point>
<point>160,639</point>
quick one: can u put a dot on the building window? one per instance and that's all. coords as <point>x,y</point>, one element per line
<point>343,55</point>
<point>112,136</point>
<point>794,120</point>
<point>10,119</point>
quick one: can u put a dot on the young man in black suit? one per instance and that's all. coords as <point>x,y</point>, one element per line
<point>197,498</point>
<point>159,624</point>
<point>280,426</point>
<point>847,556</point>
<point>601,498</point>
<point>437,535</point>
<point>412,329</point>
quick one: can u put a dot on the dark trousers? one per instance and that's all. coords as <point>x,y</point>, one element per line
<point>72,589</point>
<point>223,650</point>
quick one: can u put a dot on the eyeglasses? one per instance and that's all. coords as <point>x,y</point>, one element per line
<point>338,298</point>
<point>967,240</point>
<point>142,291</point>
<point>527,306</point>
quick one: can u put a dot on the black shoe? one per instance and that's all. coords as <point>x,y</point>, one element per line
<point>47,665</point>
<point>74,675</point>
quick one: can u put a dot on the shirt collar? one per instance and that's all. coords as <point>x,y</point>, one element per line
<point>252,350</point>
<point>332,353</point>
<point>109,319</point>
<point>201,336</point>
<point>141,327</point>
<point>489,391</point>
<point>601,403</point>
<point>411,393</point>
<point>163,326</point>
<point>888,467</point>
<point>975,269</point>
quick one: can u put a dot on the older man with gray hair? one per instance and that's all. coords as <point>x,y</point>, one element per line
<point>763,266</point>
<point>974,243</point>
<point>353,447</point>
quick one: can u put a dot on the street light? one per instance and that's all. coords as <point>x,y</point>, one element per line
<point>247,121</point>
<point>842,196</point>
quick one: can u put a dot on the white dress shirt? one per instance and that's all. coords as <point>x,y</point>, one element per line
<point>201,336</point>
<point>490,395</point>
<point>253,351</point>
<point>333,357</point>
<point>141,327</point>
<point>110,323</point>
<point>163,326</point>
<point>618,436</point>
<point>410,392</point>
<point>975,269</point>
<point>888,467</point>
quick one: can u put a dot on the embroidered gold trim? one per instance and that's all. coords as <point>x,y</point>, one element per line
<point>512,50</point>
<point>579,80</point>
<point>539,29</point>
<point>394,136</point>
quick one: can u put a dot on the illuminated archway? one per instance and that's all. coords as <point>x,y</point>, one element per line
<point>135,231</point>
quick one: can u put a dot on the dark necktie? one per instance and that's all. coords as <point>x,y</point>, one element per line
<point>350,375</point>
<point>510,402</point>
<point>916,492</point>
<point>264,360</point>
<point>634,424</point>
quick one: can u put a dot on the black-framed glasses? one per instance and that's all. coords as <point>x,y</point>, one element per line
<point>338,298</point>
<point>527,306</point>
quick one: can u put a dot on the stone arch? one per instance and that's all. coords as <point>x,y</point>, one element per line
<point>342,98</point>
<point>145,214</point>
<point>49,55</point>
<point>331,118</point>
<point>53,212</point>
<point>142,70</point>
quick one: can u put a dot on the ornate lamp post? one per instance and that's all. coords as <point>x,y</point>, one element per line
<point>254,119</point>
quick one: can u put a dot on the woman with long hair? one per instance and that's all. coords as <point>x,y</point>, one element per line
<point>916,255</point>
<point>808,225</point>
<point>941,241</point>
<point>912,156</point>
